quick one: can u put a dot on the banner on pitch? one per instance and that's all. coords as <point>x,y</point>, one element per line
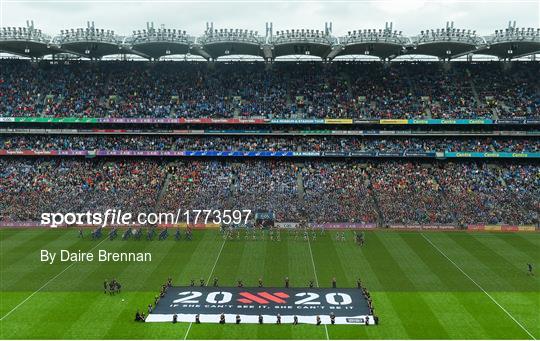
<point>348,305</point>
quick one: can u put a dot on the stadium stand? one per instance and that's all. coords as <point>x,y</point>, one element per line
<point>397,163</point>
<point>379,192</point>
<point>286,90</point>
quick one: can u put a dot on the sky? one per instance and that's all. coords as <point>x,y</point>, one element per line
<point>411,17</point>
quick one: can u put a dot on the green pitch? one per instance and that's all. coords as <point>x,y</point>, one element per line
<point>438,285</point>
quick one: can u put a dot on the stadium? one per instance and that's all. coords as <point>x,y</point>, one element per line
<point>291,184</point>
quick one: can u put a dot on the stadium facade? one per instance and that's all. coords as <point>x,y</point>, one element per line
<point>444,43</point>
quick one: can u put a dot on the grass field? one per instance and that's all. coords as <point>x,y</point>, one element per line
<point>429,285</point>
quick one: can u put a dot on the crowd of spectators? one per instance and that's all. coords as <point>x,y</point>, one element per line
<point>510,94</point>
<point>337,192</point>
<point>197,185</point>
<point>31,187</point>
<point>377,192</point>
<point>267,186</point>
<point>268,143</point>
<point>489,194</point>
<point>285,90</point>
<point>409,193</point>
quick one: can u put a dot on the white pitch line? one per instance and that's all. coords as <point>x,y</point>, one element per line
<point>49,281</point>
<point>208,281</point>
<point>478,285</point>
<point>215,263</point>
<point>187,332</point>
<point>316,280</point>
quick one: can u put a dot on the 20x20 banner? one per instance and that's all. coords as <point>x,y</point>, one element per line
<point>347,305</point>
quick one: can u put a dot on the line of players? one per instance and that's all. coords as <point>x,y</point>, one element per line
<point>238,319</point>
<point>140,316</point>
<point>274,234</point>
<point>240,283</point>
<point>227,232</point>
<point>138,233</point>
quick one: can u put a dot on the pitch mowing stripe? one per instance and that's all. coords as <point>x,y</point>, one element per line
<point>299,264</point>
<point>316,279</point>
<point>457,300</point>
<point>494,265</point>
<point>361,268</point>
<point>402,247</point>
<point>11,240</point>
<point>194,258</point>
<point>208,280</point>
<point>158,266</point>
<point>329,263</point>
<point>165,260</point>
<point>44,285</point>
<point>437,274</point>
<point>345,261</point>
<point>472,280</point>
<point>229,268</point>
<point>24,256</point>
<point>102,302</point>
<point>518,241</point>
<point>532,238</point>
<point>252,262</point>
<point>511,288</point>
<point>511,254</point>
<point>407,299</point>
<point>163,253</point>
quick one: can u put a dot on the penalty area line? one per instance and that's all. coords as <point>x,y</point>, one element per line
<point>208,281</point>
<point>478,285</point>
<point>44,285</point>
<point>316,281</point>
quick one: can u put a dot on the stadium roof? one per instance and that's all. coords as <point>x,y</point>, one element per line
<point>155,43</point>
<point>444,43</point>
<point>217,43</point>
